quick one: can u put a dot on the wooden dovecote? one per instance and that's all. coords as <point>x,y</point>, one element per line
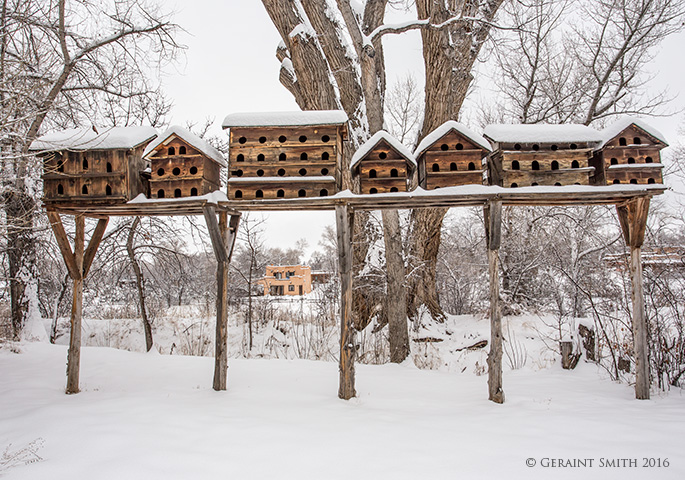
<point>183,165</point>
<point>451,155</point>
<point>529,155</point>
<point>84,165</point>
<point>285,154</point>
<point>629,153</point>
<point>382,165</point>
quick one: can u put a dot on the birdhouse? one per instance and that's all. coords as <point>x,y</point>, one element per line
<point>382,165</point>
<point>285,154</point>
<point>451,155</point>
<point>529,155</point>
<point>84,165</point>
<point>629,153</point>
<point>183,165</point>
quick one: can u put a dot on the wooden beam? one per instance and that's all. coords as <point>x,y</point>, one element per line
<point>493,230</point>
<point>74,352</point>
<point>93,245</point>
<point>215,233</point>
<point>633,219</point>
<point>344,217</point>
<point>63,244</point>
<point>228,231</point>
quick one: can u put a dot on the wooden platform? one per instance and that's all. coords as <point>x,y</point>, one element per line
<point>149,207</point>
<point>462,196</point>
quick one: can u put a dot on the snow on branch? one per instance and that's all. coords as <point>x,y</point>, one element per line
<point>425,23</point>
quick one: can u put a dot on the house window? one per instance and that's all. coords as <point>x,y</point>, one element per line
<point>291,288</point>
<point>278,275</point>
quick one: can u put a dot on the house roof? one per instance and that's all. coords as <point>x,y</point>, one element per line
<point>191,139</point>
<point>542,133</point>
<point>285,119</point>
<point>78,139</point>
<point>616,128</point>
<point>372,142</point>
<point>443,130</point>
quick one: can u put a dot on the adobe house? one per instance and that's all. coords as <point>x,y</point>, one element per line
<point>285,154</point>
<point>183,165</point>
<point>287,280</point>
<point>451,155</point>
<point>98,167</point>
<point>530,155</point>
<point>629,153</point>
<point>382,165</point>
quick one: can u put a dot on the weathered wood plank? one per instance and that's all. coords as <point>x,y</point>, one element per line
<point>640,345</point>
<point>215,233</point>
<point>493,222</point>
<point>344,217</point>
<point>74,352</point>
<point>93,245</point>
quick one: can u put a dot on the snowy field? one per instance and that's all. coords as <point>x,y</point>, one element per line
<point>151,416</point>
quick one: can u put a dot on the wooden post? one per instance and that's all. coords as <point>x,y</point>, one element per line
<point>344,217</point>
<point>78,264</point>
<point>74,353</point>
<point>493,234</point>
<point>223,236</point>
<point>633,219</point>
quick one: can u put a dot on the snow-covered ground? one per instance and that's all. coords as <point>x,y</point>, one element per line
<point>151,416</point>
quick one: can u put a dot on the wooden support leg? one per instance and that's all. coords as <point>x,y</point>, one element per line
<point>74,353</point>
<point>344,217</point>
<point>633,220</point>
<point>78,264</point>
<point>493,217</point>
<point>223,239</point>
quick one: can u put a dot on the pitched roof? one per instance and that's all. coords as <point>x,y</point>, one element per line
<point>371,143</point>
<point>443,130</point>
<point>285,119</point>
<point>191,139</point>
<point>541,133</point>
<point>615,129</point>
<point>78,139</point>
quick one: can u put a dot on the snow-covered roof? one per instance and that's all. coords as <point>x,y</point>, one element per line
<point>542,133</point>
<point>615,129</point>
<point>191,139</point>
<point>89,139</point>
<point>371,143</point>
<point>285,119</point>
<point>443,130</point>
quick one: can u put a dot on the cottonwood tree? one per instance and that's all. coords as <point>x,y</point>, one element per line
<point>556,69</point>
<point>332,58</point>
<point>58,61</point>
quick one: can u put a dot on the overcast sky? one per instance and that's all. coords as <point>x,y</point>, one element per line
<point>230,66</point>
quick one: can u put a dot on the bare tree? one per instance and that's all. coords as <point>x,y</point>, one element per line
<point>57,60</point>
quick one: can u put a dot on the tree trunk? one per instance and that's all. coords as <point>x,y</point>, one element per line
<point>396,300</point>
<point>140,281</point>
<point>21,255</point>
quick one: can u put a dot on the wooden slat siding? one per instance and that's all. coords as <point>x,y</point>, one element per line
<point>452,179</point>
<point>641,175</point>
<point>74,352</point>
<point>630,133</point>
<point>290,187</point>
<point>292,169</point>
<point>206,168</point>
<point>547,156</point>
<point>273,154</point>
<point>525,178</point>
<point>493,234</point>
<point>344,217</point>
<point>451,139</point>
<point>633,219</point>
<point>272,134</point>
<point>203,187</point>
